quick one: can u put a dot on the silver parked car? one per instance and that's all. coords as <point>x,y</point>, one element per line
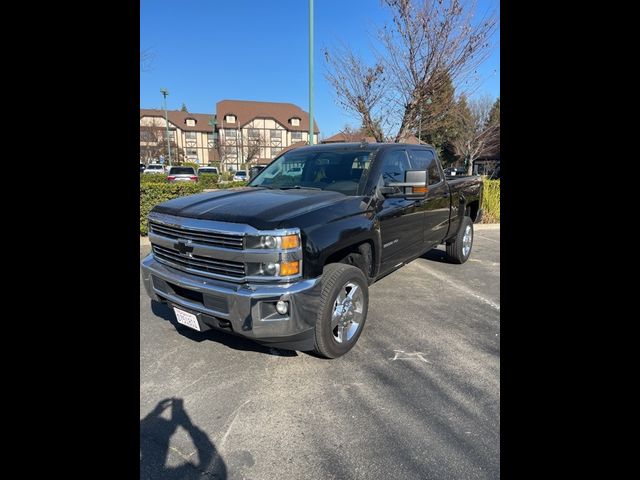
<point>240,176</point>
<point>182,174</point>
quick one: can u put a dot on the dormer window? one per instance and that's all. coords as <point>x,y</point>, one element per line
<point>295,121</point>
<point>191,122</point>
<point>230,118</point>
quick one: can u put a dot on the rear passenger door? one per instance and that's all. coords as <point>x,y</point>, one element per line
<point>436,204</point>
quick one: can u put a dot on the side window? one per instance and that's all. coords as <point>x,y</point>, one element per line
<point>425,160</point>
<point>394,165</point>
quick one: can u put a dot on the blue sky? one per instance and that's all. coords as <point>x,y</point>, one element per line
<point>207,51</point>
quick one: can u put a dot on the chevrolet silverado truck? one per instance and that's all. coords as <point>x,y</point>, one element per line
<point>287,261</point>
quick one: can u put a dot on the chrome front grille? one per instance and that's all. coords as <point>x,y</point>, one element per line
<point>198,264</point>
<point>215,239</point>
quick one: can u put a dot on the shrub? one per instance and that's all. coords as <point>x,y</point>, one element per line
<point>152,194</point>
<point>195,166</point>
<point>491,201</point>
<point>208,180</point>
<point>232,184</point>
<point>153,178</point>
<point>226,176</point>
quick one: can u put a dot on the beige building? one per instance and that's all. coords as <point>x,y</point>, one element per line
<point>245,133</point>
<point>255,132</point>
<point>191,136</point>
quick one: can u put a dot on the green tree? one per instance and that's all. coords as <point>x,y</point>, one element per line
<point>438,118</point>
<point>184,107</point>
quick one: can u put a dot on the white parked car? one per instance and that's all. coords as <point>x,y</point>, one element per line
<point>154,168</point>
<point>240,176</point>
<point>208,170</point>
<point>182,174</point>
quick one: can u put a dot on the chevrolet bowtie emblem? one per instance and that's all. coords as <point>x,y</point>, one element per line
<point>183,247</point>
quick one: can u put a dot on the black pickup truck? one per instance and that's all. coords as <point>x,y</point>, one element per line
<point>287,260</point>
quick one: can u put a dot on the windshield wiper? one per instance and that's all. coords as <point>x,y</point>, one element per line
<point>298,187</point>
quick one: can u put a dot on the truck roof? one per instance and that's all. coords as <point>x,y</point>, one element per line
<point>358,145</point>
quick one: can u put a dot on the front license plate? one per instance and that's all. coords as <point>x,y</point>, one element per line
<point>186,318</point>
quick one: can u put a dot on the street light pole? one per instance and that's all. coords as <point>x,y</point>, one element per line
<point>310,72</point>
<point>164,93</point>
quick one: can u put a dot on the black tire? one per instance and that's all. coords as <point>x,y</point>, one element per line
<point>335,277</point>
<point>455,248</point>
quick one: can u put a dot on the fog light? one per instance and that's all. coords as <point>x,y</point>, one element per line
<point>282,307</point>
<point>270,268</point>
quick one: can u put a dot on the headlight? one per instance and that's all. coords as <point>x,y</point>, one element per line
<point>273,269</point>
<point>274,242</point>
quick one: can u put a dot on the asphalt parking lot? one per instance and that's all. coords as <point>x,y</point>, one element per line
<point>417,397</point>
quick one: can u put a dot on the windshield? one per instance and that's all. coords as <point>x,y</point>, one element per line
<point>336,170</point>
<point>207,170</point>
<point>154,167</point>
<point>241,173</point>
<point>181,171</point>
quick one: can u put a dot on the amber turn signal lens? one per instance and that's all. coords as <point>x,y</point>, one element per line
<point>290,241</point>
<point>420,189</point>
<point>289,268</point>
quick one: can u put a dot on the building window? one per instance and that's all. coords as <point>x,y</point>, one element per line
<point>296,136</point>
<point>191,135</point>
<point>230,118</point>
<point>294,121</point>
<point>276,135</point>
<point>275,151</point>
<point>192,152</point>
<point>190,122</point>
<point>254,133</point>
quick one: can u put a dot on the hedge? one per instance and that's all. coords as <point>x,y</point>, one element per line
<point>153,178</point>
<point>491,202</point>
<point>208,180</point>
<point>232,184</point>
<point>152,194</point>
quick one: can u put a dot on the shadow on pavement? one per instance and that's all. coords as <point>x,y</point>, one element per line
<point>155,434</point>
<point>435,256</point>
<point>237,343</point>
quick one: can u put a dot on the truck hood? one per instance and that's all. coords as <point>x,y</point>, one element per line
<point>261,208</point>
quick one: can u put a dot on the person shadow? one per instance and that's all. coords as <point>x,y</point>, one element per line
<point>155,434</point>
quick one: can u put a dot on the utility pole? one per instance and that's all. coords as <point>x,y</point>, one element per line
<point>311,72</point>
<point>164,93</point>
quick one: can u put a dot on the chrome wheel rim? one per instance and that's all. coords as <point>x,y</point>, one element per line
<point>467,239</point>
<point>347,312</point>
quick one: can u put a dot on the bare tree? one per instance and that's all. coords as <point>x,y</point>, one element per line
<point>476,130</point>
<point>153,144</point>
<point>427,42</point>
<point>252,149</point>
<point>146,57</point>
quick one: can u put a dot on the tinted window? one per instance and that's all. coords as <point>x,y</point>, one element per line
<point>337,170</point>
<point>207,170</point>
<point>425,160</point>
<point>181,171</point>
<point>394,165</point>
<point>155,167</point>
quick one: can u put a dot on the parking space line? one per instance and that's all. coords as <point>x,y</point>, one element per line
<point>487,238</point>
<point>444,278</point>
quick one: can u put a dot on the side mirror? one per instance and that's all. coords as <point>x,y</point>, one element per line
<point>415,185</point>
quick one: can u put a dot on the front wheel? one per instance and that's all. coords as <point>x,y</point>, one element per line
<point>343,310</point>
<point>459,249</point>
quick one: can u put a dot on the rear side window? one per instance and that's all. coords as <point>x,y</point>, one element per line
<point>426,160</point>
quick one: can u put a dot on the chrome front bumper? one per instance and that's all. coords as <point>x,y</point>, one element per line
<point>245,309</point>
